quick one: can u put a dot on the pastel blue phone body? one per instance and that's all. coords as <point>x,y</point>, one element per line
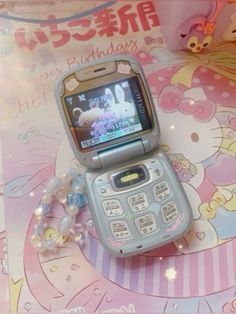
<point>138,206</point>
<point>136,200</point>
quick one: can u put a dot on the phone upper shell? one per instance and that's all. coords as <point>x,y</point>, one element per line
<point>122,150</point>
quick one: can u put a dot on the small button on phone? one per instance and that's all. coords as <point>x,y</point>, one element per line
<point>146,224</point>
<point>138,202</point>
<point>156,169</point>
<point>120,229</point>
<point>161,191</point>
<point>102,186</point>
<point>112,208</point>
<point>169,212</point>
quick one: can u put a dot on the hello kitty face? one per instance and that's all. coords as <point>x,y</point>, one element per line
<point>202,236</point>
<point>188,123</point>
<point>230,32</point>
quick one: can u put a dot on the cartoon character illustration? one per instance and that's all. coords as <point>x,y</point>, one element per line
<point>193,37</point>
<point>188,119</point>
<point>86,118</point>
<point>117,105</point>
<point>221,207</point>
<point>194,199</point>
<point>77,275</point>
<point>230,32</point>
<point>184,168</point>
<point>228,123</point>
<point>114,107</point>
<point>201,236</point>
<point>230,307</point>
<point>197,32</point>
<point>188,25</point>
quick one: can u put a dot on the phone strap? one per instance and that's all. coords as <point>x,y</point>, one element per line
<point>69,192</point>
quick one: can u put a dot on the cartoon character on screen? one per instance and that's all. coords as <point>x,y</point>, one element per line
<point>197,32</point>
<point>86,118</point>
<point>121,108</point>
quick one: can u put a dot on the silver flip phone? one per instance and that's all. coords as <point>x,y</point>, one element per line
<point>136,200</point>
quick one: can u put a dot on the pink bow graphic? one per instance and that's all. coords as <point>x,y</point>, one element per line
<point>172,99</point>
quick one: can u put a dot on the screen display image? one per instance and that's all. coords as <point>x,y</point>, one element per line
<point>108,112</point>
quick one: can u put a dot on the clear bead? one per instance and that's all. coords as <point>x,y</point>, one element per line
<point>53,186</point>
<point>41,247</point>
<point>78,188</point>
<point>72,210</point>
<point>65,224</point>
<point>38,212</point>
<point>46,198</point>
<point>38,228</point>
<point>61,195</point>
<point>35,241</point>
<point>50,245</point>
<point>66,180</point>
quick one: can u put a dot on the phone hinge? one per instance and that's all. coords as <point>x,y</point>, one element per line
<point>121,154</point>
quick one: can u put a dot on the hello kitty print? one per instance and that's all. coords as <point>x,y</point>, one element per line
<point>173,99</point>
<point>195,104</point>
<point>197,120</point>
<point>198,133</point>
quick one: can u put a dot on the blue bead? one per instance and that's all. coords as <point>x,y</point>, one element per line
<point>46,208</point>
<point>38,228</point>
<point>82,199</point>
<point>77,180</point>
<point>77,199</point>
<point>71,198</point>
<point>50,244</point>
<point>74,172</point>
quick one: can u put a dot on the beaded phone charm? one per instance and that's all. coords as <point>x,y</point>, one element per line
<point>69,191</point>
<point>197,32</point>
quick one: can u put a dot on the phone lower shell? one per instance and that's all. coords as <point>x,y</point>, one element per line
<point>143,216</point>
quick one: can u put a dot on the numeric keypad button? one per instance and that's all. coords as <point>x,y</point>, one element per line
<point>169,212</point>
<point>138,202</point>
<point>146,224</point>
<point>112,208</point>
<point>162,191</point>
<point>120,229</point>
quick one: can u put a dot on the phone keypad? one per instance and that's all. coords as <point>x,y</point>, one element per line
<point>169,212</point>
<point>120,229</point>
<point>162,191</point>
<point>136,213</point>
<point>146,224</point>
<point>138,202</point>
<point>112,208</point>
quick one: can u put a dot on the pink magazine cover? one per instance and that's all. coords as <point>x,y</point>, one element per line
<point>196,273</point>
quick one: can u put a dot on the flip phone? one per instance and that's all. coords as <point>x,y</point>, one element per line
<point>136,200</point>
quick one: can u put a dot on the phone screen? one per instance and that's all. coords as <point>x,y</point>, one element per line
<point>108,112</point>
